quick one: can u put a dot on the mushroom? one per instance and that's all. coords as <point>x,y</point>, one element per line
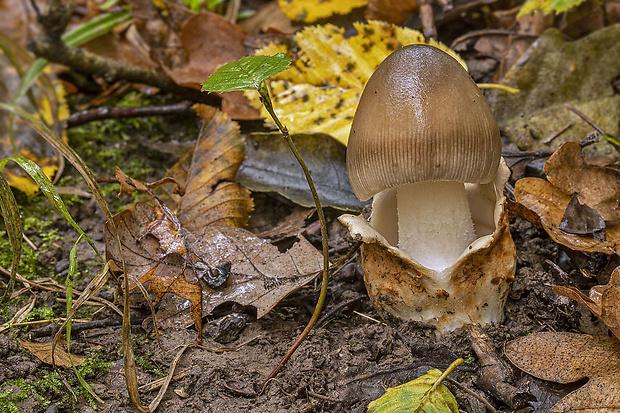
<point>423,127</point>
<point>426,146</point>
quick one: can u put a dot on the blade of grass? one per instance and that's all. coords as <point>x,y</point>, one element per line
<point>13,225</point>
<point>98,282</point>
<point>47,188</point>
<point>68,152</point>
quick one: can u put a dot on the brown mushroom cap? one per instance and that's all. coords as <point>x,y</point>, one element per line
<point>421,118</point>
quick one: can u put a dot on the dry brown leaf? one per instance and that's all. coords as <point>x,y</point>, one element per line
<point>211,41</point>
<point>193,244</point>
<point>43,351</point>
<point>391,11</point>
<point>568,174</point>
<point>598,187</point>
<point>566,358</point>
<point>604,301</point>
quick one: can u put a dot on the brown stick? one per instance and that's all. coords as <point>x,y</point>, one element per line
<point>427,19</point>
<point>48,45</point>
<point>102,113</point>
<point>495,374</point>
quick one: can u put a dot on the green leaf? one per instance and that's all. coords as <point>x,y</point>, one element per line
<point>424,394</point>
<point>247,73</point>
<point>13,225</point>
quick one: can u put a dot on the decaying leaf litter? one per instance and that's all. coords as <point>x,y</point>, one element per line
<point>349,359</point>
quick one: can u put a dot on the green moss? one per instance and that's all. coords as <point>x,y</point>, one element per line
<point>9,399</point>
<point>130,143</point>
<point>50,387</point>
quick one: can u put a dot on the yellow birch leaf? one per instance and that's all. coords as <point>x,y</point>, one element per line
<point>311,10</point>
<point>320,91</point>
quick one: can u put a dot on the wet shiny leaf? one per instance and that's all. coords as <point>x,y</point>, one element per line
<point>271,167</point>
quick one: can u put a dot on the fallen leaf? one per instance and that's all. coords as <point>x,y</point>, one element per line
<point>192,246</point>
<point>419,395</point>
<point>320,91</point>
<point>210,41</point>
<point>269,19</point>
<point>548,6</point>
<point>290,226</point>
<point>566,358</point>
<point>603,301</point>
<point>580,219</point>
<point>554,72</point>
<point>43,351</point>
<point>309,11</point>
<point>271,167</point>
<point>596,186</point>
<point>569,175</point>
<point>391,11</point>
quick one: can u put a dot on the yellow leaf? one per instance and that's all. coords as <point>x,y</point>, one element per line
<point>320,91</point>
<point>311,10</point>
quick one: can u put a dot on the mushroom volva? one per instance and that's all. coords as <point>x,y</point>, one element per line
<point>426,146</point>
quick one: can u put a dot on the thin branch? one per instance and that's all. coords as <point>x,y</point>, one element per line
<point>112,71</point>
<point>102,113</point>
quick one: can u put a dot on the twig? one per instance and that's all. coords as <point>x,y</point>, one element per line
<point>427,19</point>
<point>472,393</point>
<point>48,45</point>
<point>368,317</point>
<point>337,309</point>
<point>102,113</point>
<point>495,374</point>
<point>321,397</point>
<point>557,133</point>
<point>584,118</point>
<point>489,32</point>
<point>76,327</point>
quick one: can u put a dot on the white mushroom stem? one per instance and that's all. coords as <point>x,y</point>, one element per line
<point>434,222</point>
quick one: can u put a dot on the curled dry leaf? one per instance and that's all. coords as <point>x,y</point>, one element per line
<point>566,358</point>
<point>192,245</point>
<point>569,175</point>
<point>603,301</point>
<point>43,351</point>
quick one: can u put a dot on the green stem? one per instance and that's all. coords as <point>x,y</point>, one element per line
<point>266,101</point>
<point>429,392</point>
